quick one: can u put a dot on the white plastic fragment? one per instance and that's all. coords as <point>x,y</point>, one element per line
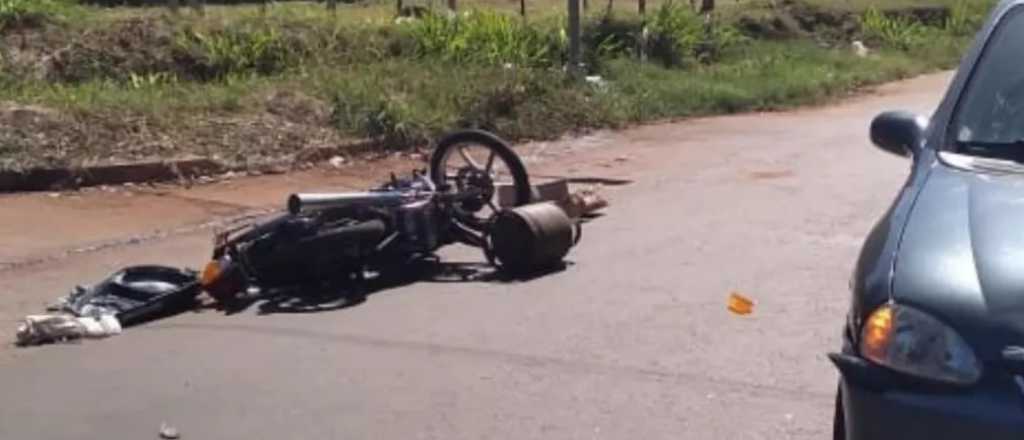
<point>42,329</point>
<point>101,327</point>
<point>860,49</point>
<point>39,329</point>
<point>337,161</point>
<point>168,432</point>
<point>597,81</point>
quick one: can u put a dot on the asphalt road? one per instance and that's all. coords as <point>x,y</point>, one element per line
<point>631,341</point>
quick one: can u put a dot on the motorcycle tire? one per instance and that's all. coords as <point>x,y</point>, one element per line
<point>494,143</point>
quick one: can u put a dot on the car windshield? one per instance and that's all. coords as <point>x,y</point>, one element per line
<point>990,118</point>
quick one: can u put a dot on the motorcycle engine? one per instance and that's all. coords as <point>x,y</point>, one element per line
<point>418,222</point>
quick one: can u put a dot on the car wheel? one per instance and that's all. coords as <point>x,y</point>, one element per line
<point>839,420</point>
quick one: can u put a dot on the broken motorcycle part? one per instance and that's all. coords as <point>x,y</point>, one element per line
<point>532,237</point>
<point>135,294</point>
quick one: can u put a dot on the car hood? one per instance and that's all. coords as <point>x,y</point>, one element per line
<point>962,256</point>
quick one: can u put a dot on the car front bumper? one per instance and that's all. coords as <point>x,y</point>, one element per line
<point>875,410</point>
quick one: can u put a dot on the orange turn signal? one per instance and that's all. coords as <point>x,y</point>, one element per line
<point>211,273</point>
<point>877,334</point>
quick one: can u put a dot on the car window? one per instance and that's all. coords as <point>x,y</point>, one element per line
<point>990,116</point>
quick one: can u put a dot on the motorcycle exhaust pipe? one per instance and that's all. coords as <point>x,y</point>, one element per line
<point>316,201</point>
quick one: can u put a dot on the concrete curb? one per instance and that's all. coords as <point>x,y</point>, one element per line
<point>47,179</point>
<point>43,179</point>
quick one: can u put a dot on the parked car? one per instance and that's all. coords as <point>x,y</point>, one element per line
<point>933,346</point>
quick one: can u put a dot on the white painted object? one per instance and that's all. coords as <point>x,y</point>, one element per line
<point>860,49</point>
<point>337,161</point>
<point>101,327</point>
<point>41,329</point>
<point>169,432</point>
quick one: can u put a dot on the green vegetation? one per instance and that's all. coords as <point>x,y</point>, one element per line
<point>234,51</point>
<point>904,33</point>
<point>485,37</point>
<point>22,13</point>
<point>243,84</point>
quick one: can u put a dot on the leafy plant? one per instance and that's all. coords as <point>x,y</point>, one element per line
<point>222,53</point>
<point>677,34</point>
<point>387,117</point>
<point>610,38</point>
<point>893,31</point>
<point>141,81</point>
<point>391,120</point>
<point>26,12</point>
<point>967,16</point>
<point>485,38</point>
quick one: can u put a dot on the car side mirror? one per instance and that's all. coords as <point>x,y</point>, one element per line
<point>898,132</point>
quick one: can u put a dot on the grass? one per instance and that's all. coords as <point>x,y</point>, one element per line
<point>21,13</point>
<point>403,84</point>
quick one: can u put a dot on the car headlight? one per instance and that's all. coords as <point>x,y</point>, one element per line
<point>912,342</point>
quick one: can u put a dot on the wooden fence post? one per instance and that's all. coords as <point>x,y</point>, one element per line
<point>574,37</point>
<point>642,9</point>
<point>522,9</point>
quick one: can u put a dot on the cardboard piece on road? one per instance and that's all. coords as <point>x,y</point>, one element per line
<point>575,204</point>
<point>547,191</point>
<point>583,202</point>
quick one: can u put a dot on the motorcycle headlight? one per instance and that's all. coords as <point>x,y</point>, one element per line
<point>912,342</point>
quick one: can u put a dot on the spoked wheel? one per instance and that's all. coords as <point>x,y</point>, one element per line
<point>477,163</point>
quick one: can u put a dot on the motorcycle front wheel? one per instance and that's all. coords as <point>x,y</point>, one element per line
<point>478,162</point>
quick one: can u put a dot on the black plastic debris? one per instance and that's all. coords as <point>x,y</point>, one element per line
<point>136,294</point>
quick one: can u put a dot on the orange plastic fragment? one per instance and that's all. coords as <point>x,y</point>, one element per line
<point>740,304</point>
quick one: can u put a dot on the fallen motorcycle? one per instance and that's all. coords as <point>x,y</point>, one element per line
<point>331,237</point>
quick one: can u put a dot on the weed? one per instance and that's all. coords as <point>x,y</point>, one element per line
<point>610,38</point>
<point>484,38</point>
<point>140,81</point>
<point>27,13</point>
<point>225,52</point>
<point>967,16</point>
<point>893,31</point>
<point>678,35</point>
<point>763,76</point>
